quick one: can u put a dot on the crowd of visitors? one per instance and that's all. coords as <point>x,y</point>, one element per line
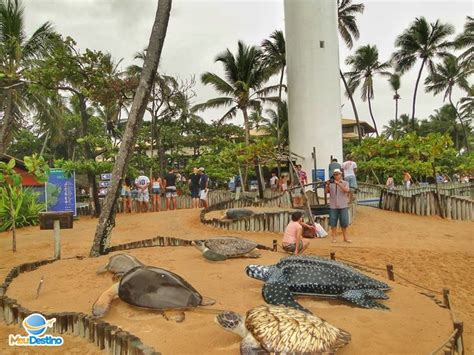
<point>142,187</point>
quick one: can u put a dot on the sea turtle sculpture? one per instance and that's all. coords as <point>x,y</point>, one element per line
<point>282,330</point>
<point>236,213</point>
<point>119,264</point>
<point>314,276</point>
<point>154,288</point>
<point>222,248</point>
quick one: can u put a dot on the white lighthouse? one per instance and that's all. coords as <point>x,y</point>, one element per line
<point>314,101</point>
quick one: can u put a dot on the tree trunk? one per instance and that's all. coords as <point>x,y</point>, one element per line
<point>414,95</point>
<point>396,117</point>
<point>354,108</point>
<point>13,216</point>
<point>247,142</point>
<point>43,148</point>
<point>7,123</point>
<point>462,123</point>
<point>95,193</point>
<point>372,116</point>
<point>246,126</point>
<point>140,100</point>
<point>89,153</point>
<point>278,121</point>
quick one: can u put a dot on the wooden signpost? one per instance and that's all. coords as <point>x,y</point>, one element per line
<point>56,221</point>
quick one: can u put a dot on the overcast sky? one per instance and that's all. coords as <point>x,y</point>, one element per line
<point>199,30</point>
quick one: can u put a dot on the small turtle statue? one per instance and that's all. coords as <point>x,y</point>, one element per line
<point>154,288</point>
<point>223,248</point>
<point>119,264</point>
<point>314,276</point>
<point>281,330</point>
<point>236,213</point>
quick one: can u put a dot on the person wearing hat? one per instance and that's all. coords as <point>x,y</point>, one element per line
<point>142,182</point>
<point>204,187</point>
<point>338,190</point>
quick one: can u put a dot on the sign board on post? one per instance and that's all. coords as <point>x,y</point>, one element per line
<point>56,221</point>
<point>60,193</point>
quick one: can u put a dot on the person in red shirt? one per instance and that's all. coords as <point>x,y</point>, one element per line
<point>293,238</point>
<point>302,180</point>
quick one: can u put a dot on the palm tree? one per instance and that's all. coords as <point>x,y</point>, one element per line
<point>274,56</point>
<point>365,65</point>
<point>394,81</point>
<point>347,26</point>
<point>17,53</point>
<point>446,76</point>
<point>421,40</point>
<point>393,129</point>
<point>278,121</point>
<point>246,74</point>
<point>466,39</point>
<point>256,119</point>
<point>140,101</point>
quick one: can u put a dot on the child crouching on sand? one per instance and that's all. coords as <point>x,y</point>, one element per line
<point>293,237</point>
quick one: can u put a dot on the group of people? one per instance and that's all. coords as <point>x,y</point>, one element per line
<point>341,184</point>
<point>142,186</point>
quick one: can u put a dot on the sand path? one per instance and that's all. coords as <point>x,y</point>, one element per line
<point>430,251</point>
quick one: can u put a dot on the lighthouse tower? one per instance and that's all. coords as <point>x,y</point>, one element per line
<point>314,100</point>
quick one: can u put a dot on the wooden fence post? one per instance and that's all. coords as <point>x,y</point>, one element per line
<point>390,273</point>
<point>446,298</point>
<point>333,255</point>
<point>275,245</point>
<point>459,326</point>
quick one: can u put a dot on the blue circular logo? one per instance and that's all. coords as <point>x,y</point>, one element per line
<point>36,324</point>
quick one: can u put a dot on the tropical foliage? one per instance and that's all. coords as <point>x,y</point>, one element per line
<point>379,157</point>
<point>18,206</point>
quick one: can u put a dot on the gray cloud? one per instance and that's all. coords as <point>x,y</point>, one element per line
<point>199,30</point>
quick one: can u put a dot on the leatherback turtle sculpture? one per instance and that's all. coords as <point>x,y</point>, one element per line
<point>236,213</point>
<point>282,330</point>
<point>314,276</point>
<point>223,248</point>
<point>153,288</point>
<point>119,264</point>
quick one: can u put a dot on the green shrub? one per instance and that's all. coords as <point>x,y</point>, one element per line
<point>27,207</point>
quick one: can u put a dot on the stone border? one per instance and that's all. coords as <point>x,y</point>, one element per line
<point>102,334</point>
<point>160,241</point>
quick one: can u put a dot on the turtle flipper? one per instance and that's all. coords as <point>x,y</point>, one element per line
<point>253,254</point>
<point>363,298</point>
<point>279,294</point>
<point>213,256</point>
<point>177,316</point>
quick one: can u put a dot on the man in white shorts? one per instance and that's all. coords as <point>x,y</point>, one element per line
<point>142,182</point>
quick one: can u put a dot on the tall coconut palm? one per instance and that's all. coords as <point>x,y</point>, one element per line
<point>446,76</point>
<point>274,56</point>
<point>422,40</point>
<point>245,74</point>
<point>364,66</point>
<point>140,101</point>
<point>466,39</point>
<point>394,82</point>
<point>393,129</point>
<point>278,121</point>
<point>17,53</point>
<point>348,30</point>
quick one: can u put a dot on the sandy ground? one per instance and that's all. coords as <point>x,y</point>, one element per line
<point>430,251</point>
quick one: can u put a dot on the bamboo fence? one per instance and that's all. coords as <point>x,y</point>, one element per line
<point>103,335</point>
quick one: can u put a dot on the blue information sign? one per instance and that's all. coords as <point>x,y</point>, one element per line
<point>60,192</point>
<point>318,174</point>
